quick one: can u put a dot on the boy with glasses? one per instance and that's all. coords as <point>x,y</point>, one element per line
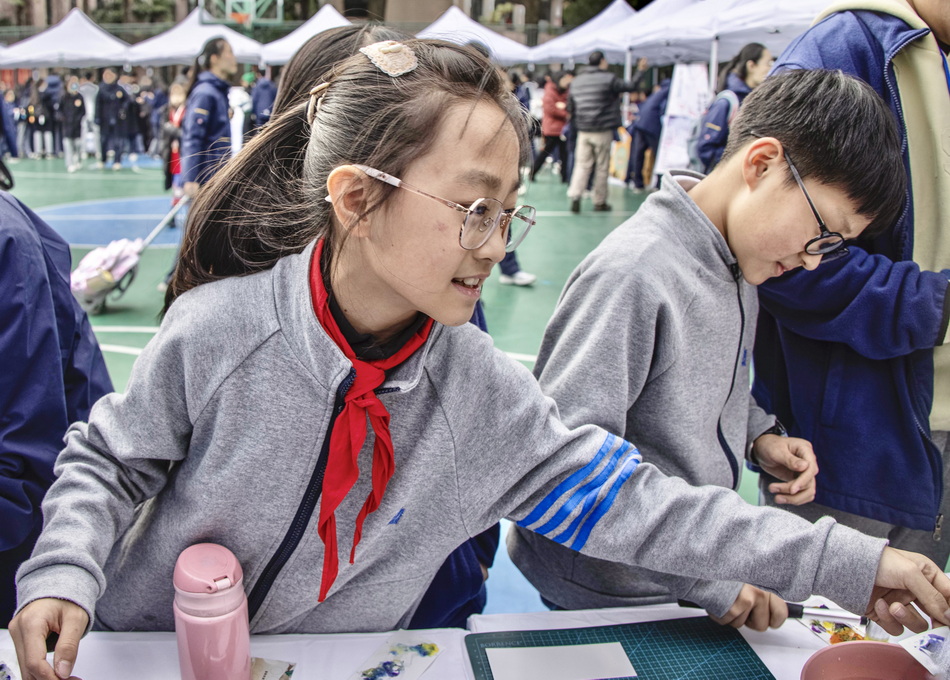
<point>653,334</point>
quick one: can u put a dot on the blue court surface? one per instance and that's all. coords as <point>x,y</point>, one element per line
<point>97,222</point>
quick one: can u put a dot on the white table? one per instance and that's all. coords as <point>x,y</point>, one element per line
<point>154,656</point>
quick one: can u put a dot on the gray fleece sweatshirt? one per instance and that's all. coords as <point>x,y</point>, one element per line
<point>652,338</point>
<point>217,439</point>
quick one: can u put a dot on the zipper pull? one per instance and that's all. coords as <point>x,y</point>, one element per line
<point>938,528</point>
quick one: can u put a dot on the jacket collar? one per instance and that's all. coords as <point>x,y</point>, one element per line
<point>315,350</point>
<point>215,81</point>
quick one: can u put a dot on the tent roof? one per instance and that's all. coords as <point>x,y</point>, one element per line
<point>613,42</point>
<point>76,41</point>
<point>280,51</point>
<point>455,26</point>
<point>564,47</point>
<point>183,42</point>
<point>770,22</point>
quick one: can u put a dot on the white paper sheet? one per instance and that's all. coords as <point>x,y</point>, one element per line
<point>568,662</point>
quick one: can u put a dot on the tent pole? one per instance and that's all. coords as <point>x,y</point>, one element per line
<point>627,75</point>
<point>713,66</point>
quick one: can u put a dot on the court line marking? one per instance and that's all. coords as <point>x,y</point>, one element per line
<point>104,218</point>
<point>140,175</point>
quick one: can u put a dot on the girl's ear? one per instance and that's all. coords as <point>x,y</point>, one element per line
<point>347,192</point>
<point>761,158</point>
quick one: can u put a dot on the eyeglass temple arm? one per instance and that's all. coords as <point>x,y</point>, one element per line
<point>396,182</point>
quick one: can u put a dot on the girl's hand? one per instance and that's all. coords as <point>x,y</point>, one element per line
<point>791,460</point>
<point>31,628</point>
<point>756,609</point>
<point>904,577</point>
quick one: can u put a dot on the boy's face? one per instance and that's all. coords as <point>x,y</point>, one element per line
<point>771,224</point>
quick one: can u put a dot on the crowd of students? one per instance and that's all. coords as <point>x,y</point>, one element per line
<point>316,330</point>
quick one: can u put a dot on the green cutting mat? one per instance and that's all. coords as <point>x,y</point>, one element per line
<point>694,648</point>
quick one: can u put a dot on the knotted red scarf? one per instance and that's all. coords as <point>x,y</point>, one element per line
<point>349,430</point>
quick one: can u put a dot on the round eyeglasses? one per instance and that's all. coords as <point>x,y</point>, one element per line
<point>481,218</point>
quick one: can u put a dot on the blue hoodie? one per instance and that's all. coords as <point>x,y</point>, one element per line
<point>844,354</point>
<point>206,130</point>
<point>712,141</point>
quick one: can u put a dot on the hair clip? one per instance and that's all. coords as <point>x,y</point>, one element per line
<point>391,57</point>
<point>316,99</point>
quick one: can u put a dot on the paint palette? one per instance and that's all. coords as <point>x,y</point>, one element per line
<point>658,650</point>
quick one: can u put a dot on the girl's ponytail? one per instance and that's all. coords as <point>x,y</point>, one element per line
<point>750,52</point>
<point>203,61</point>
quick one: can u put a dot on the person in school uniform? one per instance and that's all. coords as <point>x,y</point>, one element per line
<point>73,108</point>
<point>112,118</point>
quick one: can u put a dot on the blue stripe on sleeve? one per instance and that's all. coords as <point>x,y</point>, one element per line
<point>628,468</point>
<point>573,480</point>
<point>587,493</point>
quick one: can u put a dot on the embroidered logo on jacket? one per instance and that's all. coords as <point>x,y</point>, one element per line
<point>397,516</point>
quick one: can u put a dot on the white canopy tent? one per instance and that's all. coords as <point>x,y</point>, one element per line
<point>280,51</point>
<point>565,47</point>
<point>771,22</point>
<point>614,42</point>
<point>183,42</point>
<point>75,42</point>
<point>455,26</point>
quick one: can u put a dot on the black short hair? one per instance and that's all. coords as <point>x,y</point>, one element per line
<point>839,131</point>
<point>595,58</point>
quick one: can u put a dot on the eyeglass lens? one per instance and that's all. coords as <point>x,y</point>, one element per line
<point>824,244</point>
<point>486,214</point>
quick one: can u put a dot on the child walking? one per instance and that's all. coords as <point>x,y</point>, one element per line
<point>671,370</point>
<point>335,422</point>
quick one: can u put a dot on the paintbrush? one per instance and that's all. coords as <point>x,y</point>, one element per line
<point>800,611</point>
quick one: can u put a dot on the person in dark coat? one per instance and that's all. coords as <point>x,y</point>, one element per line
<point>262,101</point>
<point>206,132</point>
<point>646,132</point>
<point>73,110</point>
<point>9,113</point>
<point>51,373</point>
<point>112,117</point>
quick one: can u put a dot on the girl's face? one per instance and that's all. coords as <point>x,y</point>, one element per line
<point>756,71</point>
<point>409,259</point>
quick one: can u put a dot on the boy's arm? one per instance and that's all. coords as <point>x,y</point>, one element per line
<point>880,308</point>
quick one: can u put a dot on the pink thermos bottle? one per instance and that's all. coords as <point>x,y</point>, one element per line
<point>214,641</point>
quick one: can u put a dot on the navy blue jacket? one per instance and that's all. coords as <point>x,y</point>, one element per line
<point>650,115</point>
<point>51,372</point>
<point>112,107</point>
<point>262,100</point>
<point>9,126</point>
<point>206,130</point>
<point>712,140</point>
<point>844,354</point>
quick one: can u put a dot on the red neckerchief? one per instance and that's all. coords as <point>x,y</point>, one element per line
<point>349,430</point>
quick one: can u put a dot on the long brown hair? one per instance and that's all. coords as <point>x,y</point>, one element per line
<point>268,201</point>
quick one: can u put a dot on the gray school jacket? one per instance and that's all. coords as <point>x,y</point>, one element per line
<point>218,436</point>
<point>652,338</point>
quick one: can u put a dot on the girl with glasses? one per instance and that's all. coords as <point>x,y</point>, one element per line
<point>335,422</point>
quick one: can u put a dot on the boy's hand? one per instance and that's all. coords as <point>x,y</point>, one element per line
<point>756,609</point>
<point>904,577</point>
<point>791,460</point>
<point>38,621</point>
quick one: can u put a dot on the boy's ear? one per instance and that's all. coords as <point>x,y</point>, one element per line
<point>347,192</point>
<point>762,157</point>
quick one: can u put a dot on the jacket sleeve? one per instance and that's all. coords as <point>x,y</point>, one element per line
<point>550,109</point>
<point>631,85</point>
<point>31,382</point>
<point>588,490</point>
<point>100,101</point>
<point>110,466</point>
<point>713,134</point>
<point>195,134</point>
<point>880,308</point>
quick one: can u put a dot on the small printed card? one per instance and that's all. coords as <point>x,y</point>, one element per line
<point>404,656</point>
<point>832,632</point>
<point>8,664</point>
<point>931,649</point>
<point>267,669</point>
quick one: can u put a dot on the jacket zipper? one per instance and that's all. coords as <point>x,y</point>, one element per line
<point>304,511</point>
<point>727,450</point>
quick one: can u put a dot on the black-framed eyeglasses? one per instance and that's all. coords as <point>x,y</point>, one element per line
<point>481,218</point>
<point>828,244</point>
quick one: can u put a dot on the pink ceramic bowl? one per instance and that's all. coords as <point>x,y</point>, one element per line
<point>863,660</point>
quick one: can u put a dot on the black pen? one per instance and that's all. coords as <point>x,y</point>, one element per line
<point>800,611</point>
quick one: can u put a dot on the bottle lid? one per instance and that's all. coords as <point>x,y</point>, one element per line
<point>207,568</point>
